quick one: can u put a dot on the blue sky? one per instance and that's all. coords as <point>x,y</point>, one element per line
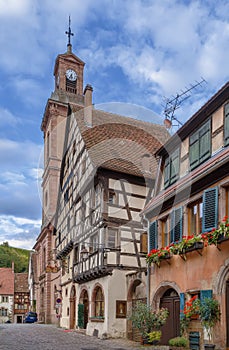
<point>136,52</point>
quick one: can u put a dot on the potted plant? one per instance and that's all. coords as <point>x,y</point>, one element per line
<point>146,320</point>
<point>209,313</point>
<point>178,342</point>
<point>154,337</point>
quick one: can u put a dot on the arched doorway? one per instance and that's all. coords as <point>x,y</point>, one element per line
<point>83,308</point>
<point>72,308</point>
<point>227,314</point>
<point>137,292</point>
<point>170,300</point>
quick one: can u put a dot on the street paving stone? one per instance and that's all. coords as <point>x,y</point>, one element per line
<point>49,337</point>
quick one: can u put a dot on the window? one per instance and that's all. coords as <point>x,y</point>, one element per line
<point>120,309</point>
<point>195,215</point>
<point>143,243</point>
<point>226,124</point>
<point>200,145</point>
<point>3,312</point>
<point>113,197</point>
<point>5,299</point>
<point>176,225</point>
<point>153,236</point>
<point>172,168</point>
<point>99,302</point>
<point>210,209</point>
<point>227,201</point>
<point>165,232</point>
<point>113,238</point>
<point>94,243</point>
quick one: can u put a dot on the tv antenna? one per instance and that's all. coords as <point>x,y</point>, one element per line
<point>172,104</point>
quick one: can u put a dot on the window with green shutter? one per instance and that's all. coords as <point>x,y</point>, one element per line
<point>226,124</point>
<point>200,145</point>
<point>210,209</point>
<point>176,225</point>
<point>172,168</point>
<point>153,236</point>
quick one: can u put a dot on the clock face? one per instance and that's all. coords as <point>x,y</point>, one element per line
<point>71,74</point>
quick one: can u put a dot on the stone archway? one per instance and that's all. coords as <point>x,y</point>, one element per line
<point>168,295</point>
<point>84,301</point>
<point>72,312</point>
<point>221,290</point>
<point>136,292</point>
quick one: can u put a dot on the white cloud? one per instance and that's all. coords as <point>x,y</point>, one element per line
<point>18,231</point>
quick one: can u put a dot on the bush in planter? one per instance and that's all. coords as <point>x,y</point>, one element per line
<point>179,342</point>
<point>154,337</point>
<point>147,320</point>
<point>209,313</point>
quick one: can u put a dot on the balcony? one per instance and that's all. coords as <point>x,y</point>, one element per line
<point>92,266</point>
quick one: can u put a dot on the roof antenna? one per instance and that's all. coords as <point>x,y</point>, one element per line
<point>172,104</point>
<point>69,34</point>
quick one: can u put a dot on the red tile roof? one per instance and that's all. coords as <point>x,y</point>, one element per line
<point>6,281</point>
<point>119,143</point>
<point>21,282</point>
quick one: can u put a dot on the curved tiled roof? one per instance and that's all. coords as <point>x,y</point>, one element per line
<point>121,143</point>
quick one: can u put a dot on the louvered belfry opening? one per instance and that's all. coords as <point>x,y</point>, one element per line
<point>71,86</point>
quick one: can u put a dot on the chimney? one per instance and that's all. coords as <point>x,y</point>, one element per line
<point>88,105</point>
<point>12,266</point>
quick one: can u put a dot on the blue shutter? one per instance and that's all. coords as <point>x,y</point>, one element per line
<point>176,225</point>
<point>210,209</point>
<point>182,303</point>
<point>205,294</point>
<point>153,236</point>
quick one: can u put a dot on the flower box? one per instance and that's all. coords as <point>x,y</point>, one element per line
<point>195,246</point>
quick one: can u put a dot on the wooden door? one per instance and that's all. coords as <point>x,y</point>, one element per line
<point>171,328</point>
<point>227,314</point>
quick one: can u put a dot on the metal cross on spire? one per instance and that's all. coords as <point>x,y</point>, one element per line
<point>69,33</point>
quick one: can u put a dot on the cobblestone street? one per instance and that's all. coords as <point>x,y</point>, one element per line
<point>48,337</point>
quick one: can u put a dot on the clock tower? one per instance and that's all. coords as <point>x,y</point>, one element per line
<point>68,94</point>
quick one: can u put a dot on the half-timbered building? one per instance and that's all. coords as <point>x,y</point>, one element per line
<point>191,199</point>
<point>99,171</point>
<point>106,179</point>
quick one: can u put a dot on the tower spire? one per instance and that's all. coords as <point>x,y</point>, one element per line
<point>69,34</point>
